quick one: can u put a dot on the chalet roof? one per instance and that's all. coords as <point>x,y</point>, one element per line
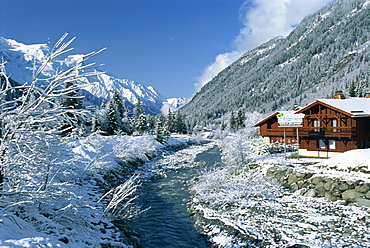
<point>355,106</point>
<point>266,119</point>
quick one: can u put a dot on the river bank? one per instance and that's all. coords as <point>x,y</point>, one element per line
<point>237,206</point>
<point>70,209</point>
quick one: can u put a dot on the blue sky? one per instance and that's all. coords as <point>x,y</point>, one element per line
<point>174,45</point>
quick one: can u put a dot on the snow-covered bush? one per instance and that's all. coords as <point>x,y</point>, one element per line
<point>239,148</point>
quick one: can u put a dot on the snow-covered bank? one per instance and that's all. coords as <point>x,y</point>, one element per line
<point>67,211</point>
<point>236,206</point>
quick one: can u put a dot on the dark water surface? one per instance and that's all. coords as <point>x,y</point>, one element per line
<point>167,223</point>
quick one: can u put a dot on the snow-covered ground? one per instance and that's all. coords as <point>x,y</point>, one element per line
<point>235,206</point>
<point>69,212</point>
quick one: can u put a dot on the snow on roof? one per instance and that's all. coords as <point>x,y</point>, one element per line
<point>356,106</point>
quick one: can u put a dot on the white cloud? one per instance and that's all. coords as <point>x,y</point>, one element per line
<point>262,21</point>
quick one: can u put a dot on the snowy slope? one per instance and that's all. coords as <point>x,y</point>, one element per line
<point>21,59</point>
<point>327,51</point>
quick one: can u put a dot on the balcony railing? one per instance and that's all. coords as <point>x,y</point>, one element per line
<point>280,132</point>
<point>328,131</point>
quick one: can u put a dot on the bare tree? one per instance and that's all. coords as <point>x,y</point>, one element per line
<point>33,114</point>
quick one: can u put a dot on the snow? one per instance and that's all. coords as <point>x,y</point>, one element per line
<point>70,211</point>
<point>226,200</point>
<point>22,59</point>
<point>243,207</point>
<point>349,161</point>
<point>353,106</point>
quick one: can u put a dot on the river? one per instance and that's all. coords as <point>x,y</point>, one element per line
<point>167,222</point>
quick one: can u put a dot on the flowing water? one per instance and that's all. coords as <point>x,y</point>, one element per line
<point>167,223</point>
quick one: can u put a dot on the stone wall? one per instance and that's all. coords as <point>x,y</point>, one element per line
<point>314,185</point>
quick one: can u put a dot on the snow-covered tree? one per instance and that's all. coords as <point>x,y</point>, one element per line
<point>160,130</point>
<point>117,116</point>
<point>170,121</point>
<point>240,119</point>
<point>232,122</point>
<point>32,118</point>
<point>179,124</point>
<point>139,118</point>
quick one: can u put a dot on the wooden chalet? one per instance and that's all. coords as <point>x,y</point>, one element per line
<point>332,126</point>
<point>273,134</point>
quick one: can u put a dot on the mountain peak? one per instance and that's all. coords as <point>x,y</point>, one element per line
<point>23,59</point>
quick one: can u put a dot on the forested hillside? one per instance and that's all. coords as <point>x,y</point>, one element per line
<point>328,51</point>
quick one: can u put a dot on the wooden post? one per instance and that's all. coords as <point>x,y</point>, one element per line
<point>297,144</point>
<point>284,144</point>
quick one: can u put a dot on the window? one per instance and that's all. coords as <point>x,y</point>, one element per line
<point>335,123</point>
<point>332,144</point>
<point>321,144</point>
<point>316,123</point>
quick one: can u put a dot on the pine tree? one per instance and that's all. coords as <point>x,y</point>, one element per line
<point>113,117</point>
<point>233,123</point>
<point>240,119</point>
<point>223,126</point>
<point>170,122</point>
<point>179,124</point>
<point>138,110</point>
<point>141,124</point>
<point>139,118</point>
<point>118,118</point>
<point>161,131</point>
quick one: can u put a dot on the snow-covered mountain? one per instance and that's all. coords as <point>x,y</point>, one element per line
<point>22,59</point>
<point>328,51</point>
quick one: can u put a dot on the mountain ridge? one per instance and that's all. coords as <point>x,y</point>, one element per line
<point>328,51</point>
<point>21,60</point>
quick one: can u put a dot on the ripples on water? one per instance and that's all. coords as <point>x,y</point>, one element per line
<point>167,223</point>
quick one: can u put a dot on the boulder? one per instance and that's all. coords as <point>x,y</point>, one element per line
<point>361,202</point>
<point>310,193</point>
<point>351,195</point>
<point>363,188</point>
<point>329,185</point>
<point>316,180</point>
<point>292,178</point>
<point>367,195</point>
<point>343,186</point>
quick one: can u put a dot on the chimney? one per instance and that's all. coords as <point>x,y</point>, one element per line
<point>339,95</point>
<point>367,95</point>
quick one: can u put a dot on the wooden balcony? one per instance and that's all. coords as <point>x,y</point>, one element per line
<point>279,132</point>
<point>328,132</point>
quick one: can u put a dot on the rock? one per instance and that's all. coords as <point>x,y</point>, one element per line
<point>343,186</point>
<point>308,175</point>
<point>363,188</point>
<point>319,186</point>
<point>337,193</point>
<point>300,175</point>
<point>328,185</point>
<point>294,187</point>
<point>367,195</point>
<point>310,193</point>
<point>351,195</point>
<point>292,179</point>
<point>316,180</point>
<point>300,184</point>
<point>361,202</point>
<point>330,197</point>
